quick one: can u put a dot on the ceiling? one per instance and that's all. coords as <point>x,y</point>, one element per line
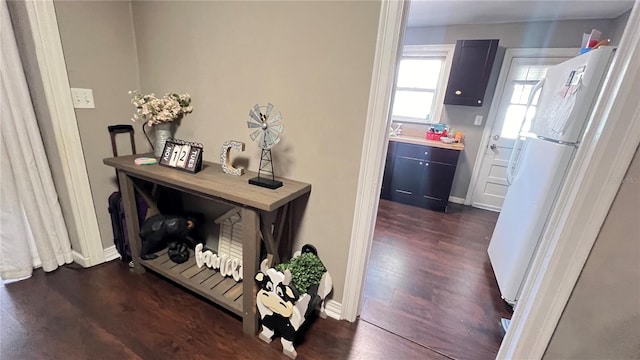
<point>451,12</point>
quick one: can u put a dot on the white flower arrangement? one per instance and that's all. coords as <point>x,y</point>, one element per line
<point>155,110</point>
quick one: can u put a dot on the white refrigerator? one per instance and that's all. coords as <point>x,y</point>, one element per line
<point>536,173</point>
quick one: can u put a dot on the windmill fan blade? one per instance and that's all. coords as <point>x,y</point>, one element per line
<point>255,117</point>
<point>256,108</point>
<point>270,140</point>
<point>255,134</point>
<point>252,125</point>
<point>269,108</point>
<point>276,118</point>
<point>276,128</point>
<point>271,136</point>
<point>261,142</point>
<point>276,137</point>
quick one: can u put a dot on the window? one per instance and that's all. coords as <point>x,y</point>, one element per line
<point>422,80</point>
<point>524,79</point>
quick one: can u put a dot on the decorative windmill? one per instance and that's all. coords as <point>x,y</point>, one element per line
<point>267,134</point>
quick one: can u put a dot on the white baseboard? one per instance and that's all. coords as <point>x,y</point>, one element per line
<point>80,259</point>
<point>456,200</point>
<point>111,253</point>
<point>333,309</point>
<point>486,207</point>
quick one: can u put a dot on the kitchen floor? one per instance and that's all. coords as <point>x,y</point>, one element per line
<point>429,280</point>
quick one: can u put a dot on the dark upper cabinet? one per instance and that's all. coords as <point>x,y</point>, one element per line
<point>470,71</point>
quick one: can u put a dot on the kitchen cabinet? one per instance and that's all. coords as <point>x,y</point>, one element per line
<point>470,72</point>
<point>419,175</point>
<point>407,180</point>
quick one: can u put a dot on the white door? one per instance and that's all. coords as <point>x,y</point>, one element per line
<point>522,74</point>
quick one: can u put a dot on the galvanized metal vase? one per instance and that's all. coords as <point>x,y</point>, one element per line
<point>163,132</point>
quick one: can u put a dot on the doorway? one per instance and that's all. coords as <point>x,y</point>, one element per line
<point>350,301</point>
<point>521,70</point>
<point>429,280</point>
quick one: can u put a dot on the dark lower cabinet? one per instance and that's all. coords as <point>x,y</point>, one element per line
<point>407,181</point>
<point>388,169</point>
<point>438,179</point>
<point>412,176</point>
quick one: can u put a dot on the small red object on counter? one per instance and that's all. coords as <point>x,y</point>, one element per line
<point>436,136</point>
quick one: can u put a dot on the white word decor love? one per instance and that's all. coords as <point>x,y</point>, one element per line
<point>228,266</point>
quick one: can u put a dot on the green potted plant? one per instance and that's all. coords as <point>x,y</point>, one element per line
<point>306,271</point>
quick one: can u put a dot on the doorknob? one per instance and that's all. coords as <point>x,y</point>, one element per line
<point>493,147</point>
<point>496,137</point>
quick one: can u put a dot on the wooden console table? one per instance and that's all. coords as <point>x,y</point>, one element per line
<point>213,184</point>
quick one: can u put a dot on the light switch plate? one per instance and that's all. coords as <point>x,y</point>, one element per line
<point>478,120</point>
<point>82,98</point>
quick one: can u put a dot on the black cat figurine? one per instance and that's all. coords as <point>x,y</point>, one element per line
<point>159,231</point>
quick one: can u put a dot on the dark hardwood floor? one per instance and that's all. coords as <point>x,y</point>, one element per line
<point>108,312</point>
<point>429,285</point>
<point>429,280</point>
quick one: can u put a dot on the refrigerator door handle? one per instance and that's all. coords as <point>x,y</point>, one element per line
<point>532,95</point>
<point>511,169</point>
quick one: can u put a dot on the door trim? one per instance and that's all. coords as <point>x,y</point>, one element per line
<point>389,49</point>
<point>43,24</point>
<point>601,162</point>
<point>495,104</point>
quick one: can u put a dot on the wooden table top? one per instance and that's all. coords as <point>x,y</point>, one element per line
<point>212,181</point>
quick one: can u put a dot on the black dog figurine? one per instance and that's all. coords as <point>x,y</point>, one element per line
<point>159,231</point>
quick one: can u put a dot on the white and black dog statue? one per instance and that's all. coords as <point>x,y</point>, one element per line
<point>282,309</point>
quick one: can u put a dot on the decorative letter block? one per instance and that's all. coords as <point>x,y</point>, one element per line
<point>225,157</point>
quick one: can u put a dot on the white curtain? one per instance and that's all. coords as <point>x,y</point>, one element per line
<point>32,229</point>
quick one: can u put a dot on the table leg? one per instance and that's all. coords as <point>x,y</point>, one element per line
<point>267,237</point>
<point>281,233</point>
<point>250,261</point>
<point>131,219</point>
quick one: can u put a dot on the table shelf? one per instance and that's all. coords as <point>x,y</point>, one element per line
<point>204,281</point>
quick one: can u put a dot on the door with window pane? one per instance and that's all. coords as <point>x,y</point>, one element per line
<point>523,75</point>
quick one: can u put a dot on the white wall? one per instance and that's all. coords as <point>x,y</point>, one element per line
<point>602,317</point>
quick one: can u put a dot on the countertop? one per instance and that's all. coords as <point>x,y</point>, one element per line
<point>423,141</point>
